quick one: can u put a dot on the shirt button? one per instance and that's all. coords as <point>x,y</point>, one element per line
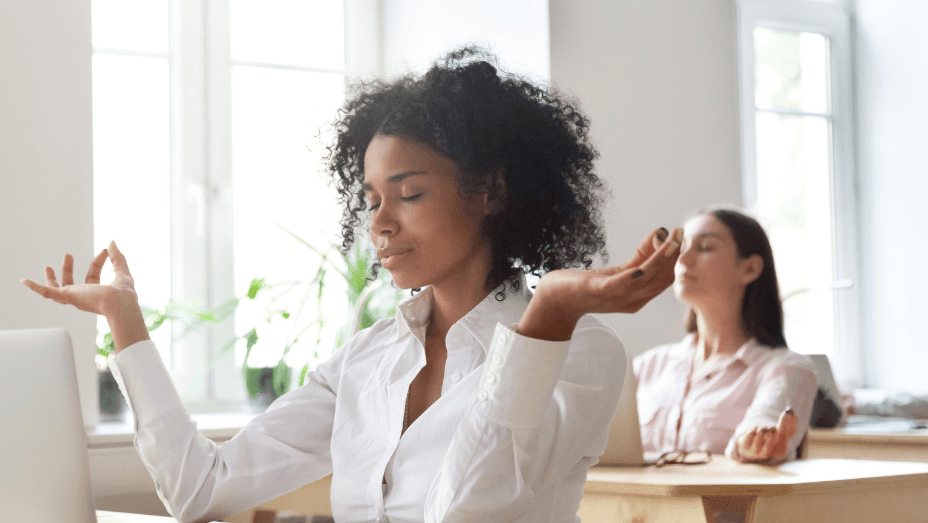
<point>482,395</point>
<point>497,359</point>
<point>455,377</point>
<point>491,378</point>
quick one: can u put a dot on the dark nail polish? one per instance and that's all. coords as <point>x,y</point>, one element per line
<point>637,273</point>
<point>662,234</point>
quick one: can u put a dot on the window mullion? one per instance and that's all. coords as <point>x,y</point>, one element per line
<point>188,194</point>
<point>226,388</point>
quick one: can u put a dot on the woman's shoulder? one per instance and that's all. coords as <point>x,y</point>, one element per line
<point>785,357</point>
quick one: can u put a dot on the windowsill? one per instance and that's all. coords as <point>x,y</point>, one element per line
<point>217,427</point>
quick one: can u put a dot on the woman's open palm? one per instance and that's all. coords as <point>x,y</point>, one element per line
<point>622,288</point>
<point>90,296</point>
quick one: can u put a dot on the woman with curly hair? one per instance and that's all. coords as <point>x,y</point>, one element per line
<point>479,401</point>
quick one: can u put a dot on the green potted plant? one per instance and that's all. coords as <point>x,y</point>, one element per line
<point>367,299</point>
<point>112,404</point>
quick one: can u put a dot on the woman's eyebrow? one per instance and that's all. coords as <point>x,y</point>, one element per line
<point>708,234</point>
<point>396,178</point>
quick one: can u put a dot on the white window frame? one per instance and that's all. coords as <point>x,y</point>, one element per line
<point>834,21</point>
<point>201,183</point>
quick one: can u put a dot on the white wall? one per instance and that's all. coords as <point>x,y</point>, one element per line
<point>659,80</point>
<point>46,201</point>
<point>416,32</point>
<point>892,149</point>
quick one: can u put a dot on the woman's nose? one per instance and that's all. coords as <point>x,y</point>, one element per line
<point>383,221</point>
<point>686,255</point>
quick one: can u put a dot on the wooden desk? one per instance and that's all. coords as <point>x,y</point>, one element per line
<point>818,490</point>
<point>104,516</point>
<point>864,443</point>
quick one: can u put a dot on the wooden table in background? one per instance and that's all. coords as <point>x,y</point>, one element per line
<point>815,490</point>
<point>104,516</point>
<point>866,443</point>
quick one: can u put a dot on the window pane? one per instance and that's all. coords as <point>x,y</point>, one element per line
<point>131,173</point>
<point>294,32</point>
<point>131,25</point>
<point>791,70</point>
<point>276,117</point>
<point>795,206</point>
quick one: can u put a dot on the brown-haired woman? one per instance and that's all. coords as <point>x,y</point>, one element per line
<point>731,385</point>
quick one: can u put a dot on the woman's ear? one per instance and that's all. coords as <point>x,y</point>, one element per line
<point>751,268</point>
<point>496,192</point>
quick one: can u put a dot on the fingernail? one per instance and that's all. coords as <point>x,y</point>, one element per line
<point>662,234</point>
<point>637,274</point>
<point>789,410</point>
<point>673,248</point>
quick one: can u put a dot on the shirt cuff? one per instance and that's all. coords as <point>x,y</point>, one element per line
<point>145,381</point>
<point>519,378</point>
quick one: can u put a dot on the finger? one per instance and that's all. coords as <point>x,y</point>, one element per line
<point>788,424</point>
<point>52,293</point>
<point>660,236</point>
<point>120,265</point>
<point>660,263</point>
<point>773,437</point>
<point>749,439</point>
<point>50,277</point>
<point>647,247</point>
<point>67,270</point>
<point>96,267</point>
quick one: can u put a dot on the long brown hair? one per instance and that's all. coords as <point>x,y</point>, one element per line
<point>761,310</point>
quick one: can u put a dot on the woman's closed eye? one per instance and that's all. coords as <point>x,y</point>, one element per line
<point>374,206</point>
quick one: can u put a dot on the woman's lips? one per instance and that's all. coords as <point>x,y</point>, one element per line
<point>392,257</point>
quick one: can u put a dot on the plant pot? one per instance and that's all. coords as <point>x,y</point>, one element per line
<point>113,405</point>
<point>260,384</point>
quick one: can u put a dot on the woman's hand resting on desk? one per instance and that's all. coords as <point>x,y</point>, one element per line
<point>768,443</point>
<point>562,297</point>
<point>117,301</point>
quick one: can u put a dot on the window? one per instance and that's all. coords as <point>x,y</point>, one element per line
<point>798,172</point>
<point>206,124</point>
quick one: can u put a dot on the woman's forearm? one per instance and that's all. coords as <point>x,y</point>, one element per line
<point>125,319</point>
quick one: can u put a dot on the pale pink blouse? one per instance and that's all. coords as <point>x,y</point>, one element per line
<point>749,389</point>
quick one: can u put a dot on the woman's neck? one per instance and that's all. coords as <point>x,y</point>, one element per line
<point>720,332</point>
<point>449,305</point>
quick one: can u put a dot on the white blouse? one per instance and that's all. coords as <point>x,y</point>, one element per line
<point>519,422</point>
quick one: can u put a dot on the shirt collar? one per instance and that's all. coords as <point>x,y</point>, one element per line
<point>746,354</point>
<point>749,352</point>
<point>412,316</point>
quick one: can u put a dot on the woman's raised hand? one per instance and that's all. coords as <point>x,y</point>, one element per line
<point>768,443</point>
<point>116,301</point>
<point>563,297</point>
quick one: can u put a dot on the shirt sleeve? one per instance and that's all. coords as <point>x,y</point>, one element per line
<point>279,451</point>
<point>790,384</point>
<point>498,454</point>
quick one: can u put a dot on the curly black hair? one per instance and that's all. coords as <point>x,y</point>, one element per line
<point>546,215</point>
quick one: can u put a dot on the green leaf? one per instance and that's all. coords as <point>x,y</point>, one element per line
<point>256,285</point>
<point>281,378</point>
<point>251,338</point>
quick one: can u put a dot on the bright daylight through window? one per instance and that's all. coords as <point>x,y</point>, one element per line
<point>798,169</point>
<point>207,173</point>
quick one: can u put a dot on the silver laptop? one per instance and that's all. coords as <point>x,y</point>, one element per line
<point>44,471</point>
<point>624,447</point>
